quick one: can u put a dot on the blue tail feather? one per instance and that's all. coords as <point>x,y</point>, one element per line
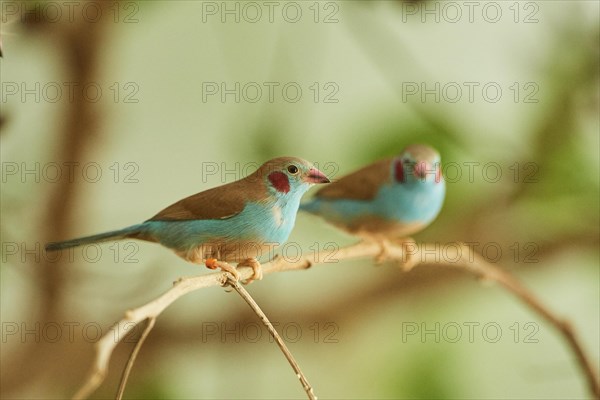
<point>101,237</point>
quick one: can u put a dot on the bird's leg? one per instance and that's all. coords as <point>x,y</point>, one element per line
<point>213,263</point>
<point>384,254</point>
<point>196,256</point>
<point>256,268</point>
<point>409,259</point>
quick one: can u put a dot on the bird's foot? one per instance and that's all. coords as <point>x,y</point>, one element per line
<point>256,268</point>
<point>213,263</point>
<point>385,252</point>
<point>409,257</point>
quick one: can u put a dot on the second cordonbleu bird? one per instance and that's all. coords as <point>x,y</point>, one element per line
<point>236,222</point>
<point>388,200</point>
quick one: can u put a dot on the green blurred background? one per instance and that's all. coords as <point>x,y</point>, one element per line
<point>154,131</point>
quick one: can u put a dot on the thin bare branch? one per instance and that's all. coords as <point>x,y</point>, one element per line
<point>286,352</point>
<point>463,258</point>
<point>133,356</point>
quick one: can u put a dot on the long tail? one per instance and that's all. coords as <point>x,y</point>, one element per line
<point>101,237</point>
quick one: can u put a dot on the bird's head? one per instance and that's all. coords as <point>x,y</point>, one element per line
<point>417,163</point>
<point>291,175</point>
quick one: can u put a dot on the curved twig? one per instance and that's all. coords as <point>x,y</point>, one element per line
<point>465,259</point>
<point>288,355</point>
<point>133,356</point>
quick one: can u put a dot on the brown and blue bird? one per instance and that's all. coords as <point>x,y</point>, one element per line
<point>388,200</point>
<point>236,222</point>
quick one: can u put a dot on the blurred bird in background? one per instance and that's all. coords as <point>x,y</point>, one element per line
<point>387,200</point>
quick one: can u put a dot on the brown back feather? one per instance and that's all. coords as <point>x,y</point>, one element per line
<point>227,200</point>
<point>220,202</point>
<point>359,185</point>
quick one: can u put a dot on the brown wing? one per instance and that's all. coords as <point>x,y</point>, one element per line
<point>217,203</point>
<point>360,185</point>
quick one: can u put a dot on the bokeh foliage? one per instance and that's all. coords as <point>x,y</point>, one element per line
<point>370,53</point>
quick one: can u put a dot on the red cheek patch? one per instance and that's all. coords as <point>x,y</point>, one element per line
<point>280,181</point>
<point>399,171</point>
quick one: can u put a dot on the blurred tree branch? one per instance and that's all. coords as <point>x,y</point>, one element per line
<point>79,42</point>
<point>465,259</point>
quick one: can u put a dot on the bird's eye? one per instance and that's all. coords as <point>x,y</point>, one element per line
<point>292,169</point>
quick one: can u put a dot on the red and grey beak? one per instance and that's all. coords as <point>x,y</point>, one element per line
<point>422,169</point>
<point>316,176</point>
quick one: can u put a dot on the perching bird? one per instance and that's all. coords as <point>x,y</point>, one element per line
<point>388,200</point>
<point>236,222</point>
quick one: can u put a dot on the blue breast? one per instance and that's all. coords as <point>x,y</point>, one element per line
<point>256,223</point>
<point>406,203</point>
